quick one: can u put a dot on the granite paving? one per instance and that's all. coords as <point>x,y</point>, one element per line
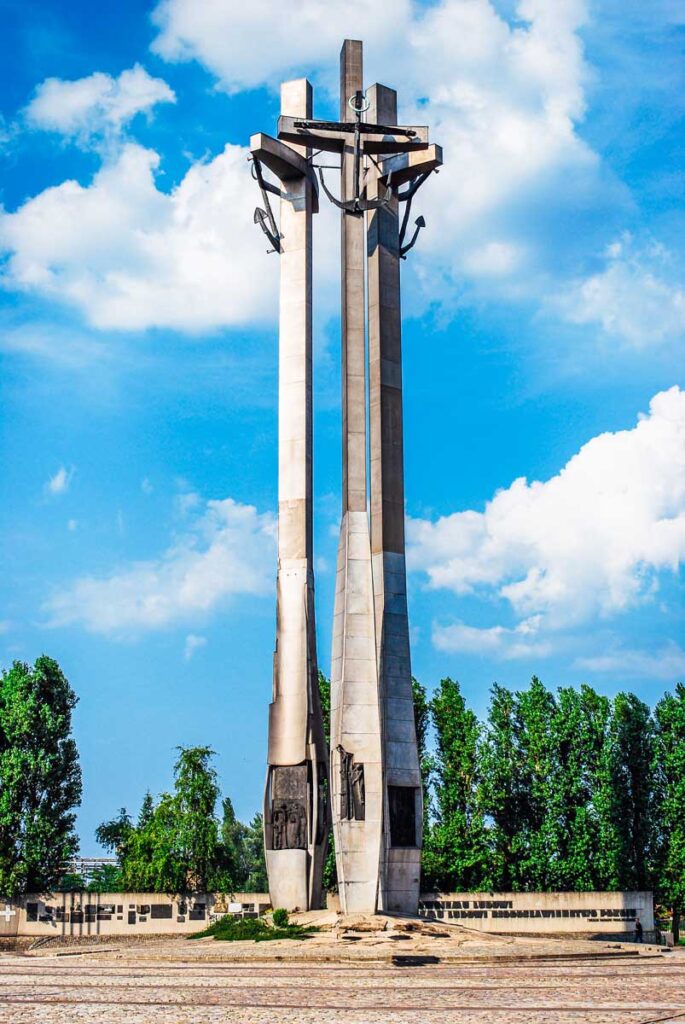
<point>451,975</point>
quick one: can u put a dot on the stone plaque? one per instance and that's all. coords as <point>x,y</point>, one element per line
<point>289,783</point>
<point>159,911</point>
<point>402,803</point>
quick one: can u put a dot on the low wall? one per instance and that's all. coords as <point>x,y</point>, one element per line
<point>587,914</point>
<point>83,914</point>
<point>76,914</point>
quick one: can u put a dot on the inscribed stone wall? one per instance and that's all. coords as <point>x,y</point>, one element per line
<point>544,913</point>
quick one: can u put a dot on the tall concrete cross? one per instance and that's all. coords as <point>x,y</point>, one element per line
<point>296,816</point>
<point>375,783</point>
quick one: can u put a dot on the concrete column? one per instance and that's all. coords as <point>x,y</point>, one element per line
<point>353,332</point>
<point>297,756</point>
<point>355,712</point>
<point>400,871</point>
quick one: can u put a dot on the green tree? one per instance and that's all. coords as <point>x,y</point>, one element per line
<point>422,715</point>
<point>232,870</point>
<point>536,846</point>
<point>503,788</point>
<point>40,777</point>
<point>670,739</point>
<point>106,878</point>
<point>256,880</point>
<point>70,881</point>
<point>150,858</point>
<point>175,846</point>
<point>147,809</point>
<point>457,854</point>
<point>115,833</point>
<point>195,797</point>
<point>579,728</point>
<point>633,831</point>
<point>330,870</point>
<point>325,701</point>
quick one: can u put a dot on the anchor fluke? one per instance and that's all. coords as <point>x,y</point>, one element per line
<point>419,223</point>
<point>268,226</point>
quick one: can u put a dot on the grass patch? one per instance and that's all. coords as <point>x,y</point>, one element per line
<point>252,929</point>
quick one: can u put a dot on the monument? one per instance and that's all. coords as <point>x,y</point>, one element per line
<point>375,782</point>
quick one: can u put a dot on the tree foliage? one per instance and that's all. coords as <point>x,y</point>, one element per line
<point>178,845</point>
<point>40,777</point>
<point>456,850</point>
<point>330,870</point>
<point>670,717</point>
<point>563,790</point>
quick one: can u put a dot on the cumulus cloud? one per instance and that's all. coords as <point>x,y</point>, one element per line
<point>589,542</point>
<point>96,105</point>
<point>60,482</point>
<point>131,256</point>
<point>226,551</point>
<point>635,296</point>
<point>503,97</point>
<point>231,41</point>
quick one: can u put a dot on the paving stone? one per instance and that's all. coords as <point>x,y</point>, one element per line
<point>389,976</point>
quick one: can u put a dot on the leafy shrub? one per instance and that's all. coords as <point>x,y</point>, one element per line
<point>280,917</point>
<point>252,929</point>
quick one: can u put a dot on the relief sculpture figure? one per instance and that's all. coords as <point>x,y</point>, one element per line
<point>346,799</point>
<point>358,795</point>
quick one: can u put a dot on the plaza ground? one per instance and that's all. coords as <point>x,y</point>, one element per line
<point>436,973</point>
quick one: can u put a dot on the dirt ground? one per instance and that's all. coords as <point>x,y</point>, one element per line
<point>350,972</point>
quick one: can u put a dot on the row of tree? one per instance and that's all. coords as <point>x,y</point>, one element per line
<point>554,791</point>
<point>564,790</point>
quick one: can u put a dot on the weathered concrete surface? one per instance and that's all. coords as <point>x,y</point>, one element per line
<point>401,862</point>
<point>378,977</point>
<point>355,705</point>
<point>295,724</point>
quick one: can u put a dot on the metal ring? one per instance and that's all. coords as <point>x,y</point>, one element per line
<point>363,108</point>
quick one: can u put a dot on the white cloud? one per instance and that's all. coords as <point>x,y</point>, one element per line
<point>494,641</point>
<point>502,97</point>
<point>227,550</point>
<point>72,525</point>
<point>668,663</point>
<point>131,256</point>
<point>247,45</point>
<point>96,105</point>
<point>193,643</point>
<point>591,541</point>
<point>146,486</point>
<point>61,481</point>
<point>634,297</point>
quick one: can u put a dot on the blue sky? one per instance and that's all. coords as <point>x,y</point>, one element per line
<point>544,324</point>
